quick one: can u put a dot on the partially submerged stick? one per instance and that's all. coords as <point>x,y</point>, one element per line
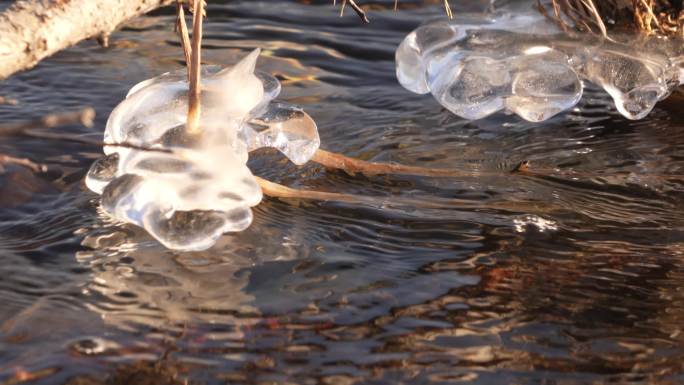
<point>194,105</point>
<point>352,165</point>
<point>84,116</point>
<point>275,190</point>
<point>28,163</point>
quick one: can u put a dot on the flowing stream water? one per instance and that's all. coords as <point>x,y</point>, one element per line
<point>571,274</point>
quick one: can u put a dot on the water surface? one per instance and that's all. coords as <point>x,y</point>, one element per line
<point>572,277</point>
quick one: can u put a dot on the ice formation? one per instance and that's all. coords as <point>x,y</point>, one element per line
<point>197,187</point>
<point>519,62</point>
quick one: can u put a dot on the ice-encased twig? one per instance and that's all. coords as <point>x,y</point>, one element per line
<point>520,62</point>
<point>201,188</point>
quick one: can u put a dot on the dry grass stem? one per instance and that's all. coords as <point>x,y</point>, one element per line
<point>98,143</point>
<point>182,28</point>
<point>447,8</point>
<point>194,106</point>
<point>364,17</point>
<point>275,190</point>
<point>351,166</point>
<point>84,116</point>
<point>8,101</point>
<point>661,17</point>
<point>35,129</point>
<point>359,11</point>
<point>31,165</point>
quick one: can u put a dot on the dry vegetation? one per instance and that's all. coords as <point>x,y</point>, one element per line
<point>661,17</point>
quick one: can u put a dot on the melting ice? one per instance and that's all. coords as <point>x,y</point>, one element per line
<point>195,188</point>
<point>520,62</point>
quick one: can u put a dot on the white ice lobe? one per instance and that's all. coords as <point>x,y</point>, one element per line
<point>188,189</point>
<point>480,64</point>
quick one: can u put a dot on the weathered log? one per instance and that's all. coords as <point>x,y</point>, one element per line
<point>31,30</point>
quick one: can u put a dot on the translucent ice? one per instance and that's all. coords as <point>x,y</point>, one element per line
<point>285,127</point>
<point>477,65</point>
<point>188,190</point>
<point>635,82</point>
<point>542,87</point>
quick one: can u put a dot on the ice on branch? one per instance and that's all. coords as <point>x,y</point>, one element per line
<point>199,186</point>
<point>519,62</point>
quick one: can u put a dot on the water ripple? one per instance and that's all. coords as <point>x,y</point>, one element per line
<point>569,274</point>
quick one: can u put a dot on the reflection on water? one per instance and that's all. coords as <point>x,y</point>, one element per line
<point>570,275</point>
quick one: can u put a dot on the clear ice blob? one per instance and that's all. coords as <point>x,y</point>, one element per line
<point>287,128</point>
<point>188,190</point>
<point>635,83</point>
<point>411,68</point>
<point>543,86</point>
<point>476,65</point>
<point>471,88</point>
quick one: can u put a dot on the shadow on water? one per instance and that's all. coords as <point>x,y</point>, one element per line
<point>572,278</point>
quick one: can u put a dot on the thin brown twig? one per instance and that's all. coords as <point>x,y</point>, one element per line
<point>597,17</point>
<point>84,116</point>
<point>276,190</point>
<point>35,167</point>
<point>364,17</point>
<point>194,106</point>
<point>34,129</point>
<point>8,101</point>
<point>359,11</point>
<point>34,133</point>
<point>650,16</point>
<point>447,8</point>
<point>183,33</point>
<point>557,13</point>
<point>352,165</point>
